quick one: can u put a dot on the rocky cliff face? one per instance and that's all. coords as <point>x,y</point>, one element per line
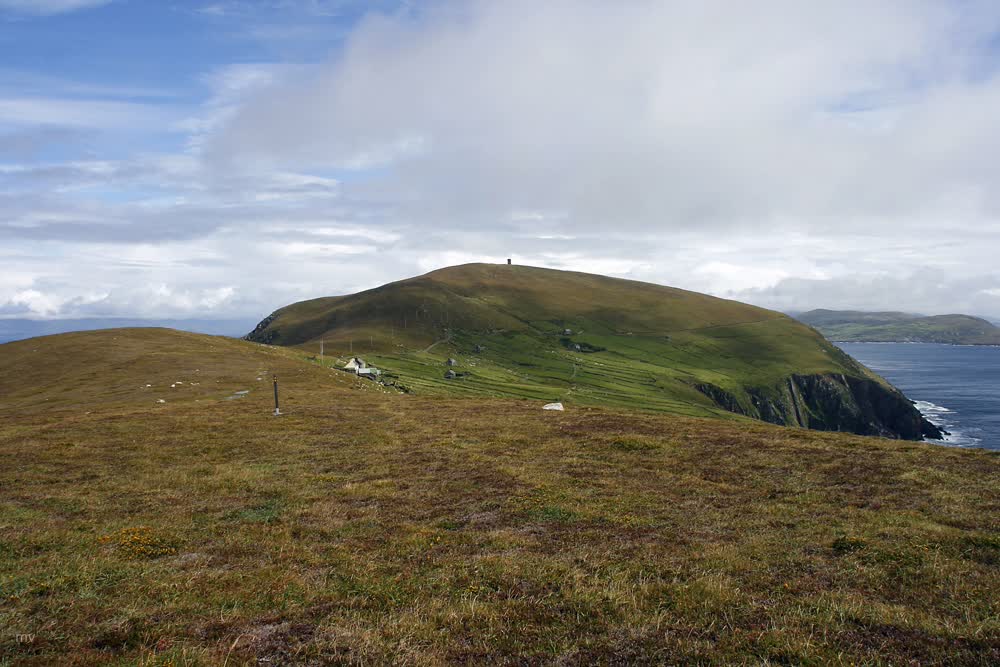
<point>830,403</point>
<point>262,333</point>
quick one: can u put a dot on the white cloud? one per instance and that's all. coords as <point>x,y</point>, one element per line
<point>214,298</point>
<point>46,7</point>
<point>218,9</point>
<point>652,115</point>
<point>33,302</point>
<point>87,113</point>
<point>796,155</point>
<point>298,249</point>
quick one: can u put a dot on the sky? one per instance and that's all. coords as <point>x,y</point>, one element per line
<point>222,158</point>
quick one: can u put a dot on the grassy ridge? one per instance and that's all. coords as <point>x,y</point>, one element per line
<point>862,327</point>
<point>487,297</point>
<point>365,527</point>
<point>114,367</point>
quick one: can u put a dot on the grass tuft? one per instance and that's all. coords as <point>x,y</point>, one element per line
<point>845,545</point>
<point>267,512</point>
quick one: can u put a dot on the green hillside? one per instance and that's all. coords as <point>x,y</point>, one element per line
<point>547,335</point>
<point>852,326</point>
<point>154,512</point>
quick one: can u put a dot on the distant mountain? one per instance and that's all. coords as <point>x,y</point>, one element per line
<point>18,329</point>
<point>854,326</point>
<point>518,331</point>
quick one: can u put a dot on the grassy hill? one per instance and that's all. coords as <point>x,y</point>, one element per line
<point>17,328</point>
<point>540,334</point>
<point>852,326</point>
<point>370,527</point>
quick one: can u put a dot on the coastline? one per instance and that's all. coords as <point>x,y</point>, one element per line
<point>953,386</point>
<point>910,342</point>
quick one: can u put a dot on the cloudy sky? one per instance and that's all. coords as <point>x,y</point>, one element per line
<point>221,158</point>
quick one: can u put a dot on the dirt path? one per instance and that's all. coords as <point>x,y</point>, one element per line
<point>436,343</point>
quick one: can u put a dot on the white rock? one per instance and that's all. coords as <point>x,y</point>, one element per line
<point>553,406</point>
<point>161,401</point>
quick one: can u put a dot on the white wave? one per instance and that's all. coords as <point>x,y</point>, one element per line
<point>959,439</point>
<point>941,417</point>
<point>928,408</point>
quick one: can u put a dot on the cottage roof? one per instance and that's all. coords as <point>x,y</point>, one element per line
<point>354,363</point>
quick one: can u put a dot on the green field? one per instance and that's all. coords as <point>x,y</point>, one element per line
<point>651,372</point>
<point>365,526</point>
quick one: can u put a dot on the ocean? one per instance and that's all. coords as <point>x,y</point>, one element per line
<point>956,387</point>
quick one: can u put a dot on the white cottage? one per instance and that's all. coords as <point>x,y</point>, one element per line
<point>355,365</point>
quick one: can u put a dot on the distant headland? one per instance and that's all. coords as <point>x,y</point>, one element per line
<point>856,326</point>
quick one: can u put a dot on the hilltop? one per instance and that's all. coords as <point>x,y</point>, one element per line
<point>12,329</point>
<point>542,334</point>
<point>366,526</point>
<point>852,326</point>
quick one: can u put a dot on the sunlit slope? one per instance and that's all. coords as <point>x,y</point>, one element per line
<point>558,335</point>
<point>144,367</point>
<point>488,297</point>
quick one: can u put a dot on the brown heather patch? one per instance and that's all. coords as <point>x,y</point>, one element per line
<point>364,528</point>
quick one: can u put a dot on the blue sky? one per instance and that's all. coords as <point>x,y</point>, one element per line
<point>157,55</point>
<point>221,158</point>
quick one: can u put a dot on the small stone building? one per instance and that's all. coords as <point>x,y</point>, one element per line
<point>355,364</point>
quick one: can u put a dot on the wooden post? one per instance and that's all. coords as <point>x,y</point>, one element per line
<point>276,410</point>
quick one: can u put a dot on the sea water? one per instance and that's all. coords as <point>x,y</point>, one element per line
<point>956,387</point>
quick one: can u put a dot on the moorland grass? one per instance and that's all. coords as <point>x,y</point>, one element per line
<point>364,527</point>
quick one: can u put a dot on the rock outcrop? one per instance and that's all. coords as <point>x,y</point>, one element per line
<point>262,333</point>
<point>829,402</point>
